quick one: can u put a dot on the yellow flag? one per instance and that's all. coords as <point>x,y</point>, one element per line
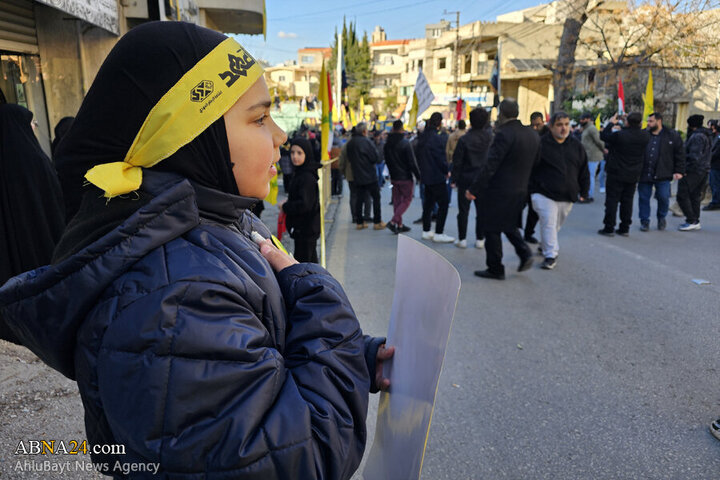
<point>467,111</point>
<point>273,193</point>
<point>325,125</point>
<point>362,109</point>
<point>648,99</point>
<point>597,121</point>
<point>353,120</point>
<point>412,121</point>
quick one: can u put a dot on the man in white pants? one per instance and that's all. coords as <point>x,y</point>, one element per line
<point>559,178</point>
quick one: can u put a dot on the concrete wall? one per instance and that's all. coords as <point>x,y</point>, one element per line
<point>71,53</point>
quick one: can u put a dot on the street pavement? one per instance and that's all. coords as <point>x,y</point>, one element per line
<point>604,368</point>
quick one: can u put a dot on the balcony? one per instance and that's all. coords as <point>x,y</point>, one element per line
<point>232,16</point>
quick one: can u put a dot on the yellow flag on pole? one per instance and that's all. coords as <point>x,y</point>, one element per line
<point>412,120</point>
<point>325,120</point>
<point>597,121</point>
<point>649,100</point>
<point>362,109</point>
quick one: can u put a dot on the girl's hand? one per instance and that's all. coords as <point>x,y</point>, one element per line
<point>278,260</point>
<point>384,353</point>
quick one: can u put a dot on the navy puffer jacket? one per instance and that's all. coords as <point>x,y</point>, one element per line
<point>190,351</point>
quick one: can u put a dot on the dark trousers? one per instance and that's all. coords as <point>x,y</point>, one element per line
<point>402,193</point>
<point>464,213</point>
<point>373,190</point>
<point>531,220</point>
<point>435,193</point>
<point>689,195</point>
<point>622,193</point>
<point>494,251</point>
<point>336,181</point>
<point>305,250</point>
<point>354,202</point>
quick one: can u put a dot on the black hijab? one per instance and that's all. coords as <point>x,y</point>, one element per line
<point>310,164</point>
<point>31,206</point>
<point>140,69</point>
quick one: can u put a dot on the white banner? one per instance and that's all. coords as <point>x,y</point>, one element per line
<point>424,94</point>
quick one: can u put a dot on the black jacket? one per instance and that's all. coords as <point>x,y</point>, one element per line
<point>502,183</point>
<point>715,159</point>
<point>470,155</point>
<point>303,204</point>
<point>399,158</point>
<point>561,171</point>
<point>189,350</point>
<point>363,157</point>
<point>430,154</point>
<point>671,158</point>
<point>698,151</point>
<point>627,151</point>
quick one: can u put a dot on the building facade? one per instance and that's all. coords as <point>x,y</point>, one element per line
<point>298,78</point>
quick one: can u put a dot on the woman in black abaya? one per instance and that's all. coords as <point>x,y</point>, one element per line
<point>32,216</point>
<point>31,205</point>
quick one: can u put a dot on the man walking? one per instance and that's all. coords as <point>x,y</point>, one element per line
<point>692,186</point>
<point>468,159</point>
<point>363,156</point>
<point>401,164</point>
<point>594,148</point>
<point>559,178</point>
<point>502,188</point>
<point>627,150</point>
<point>664,161</point>
<point>434,169</point>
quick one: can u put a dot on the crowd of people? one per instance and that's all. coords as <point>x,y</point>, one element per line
<point>545,167</point>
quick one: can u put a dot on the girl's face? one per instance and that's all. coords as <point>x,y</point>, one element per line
<point>297,155</point>
<point>254,140</point>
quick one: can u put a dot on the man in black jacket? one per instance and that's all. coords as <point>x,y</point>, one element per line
<point>469,157</point>
<point>502,188</point>
<point>714,167</point>
<point>698,151</point>
<point>363,156</point>
<point>664,161</point>
<point>401,164</point>
<point>434,172</point>
<point>627,150</point>
<point>559,178</point>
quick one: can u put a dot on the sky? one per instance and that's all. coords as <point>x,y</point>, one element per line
<point>293,24</point>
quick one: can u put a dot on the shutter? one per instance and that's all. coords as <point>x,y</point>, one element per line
<point>17,26</point>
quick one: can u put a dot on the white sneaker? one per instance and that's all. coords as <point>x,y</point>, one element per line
<point>480,244</point>
<point>442,238</point>
<point>461,243</point>
<point>686,227</point>
<point>427,235</point>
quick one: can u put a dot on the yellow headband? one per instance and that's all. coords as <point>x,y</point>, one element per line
<point>199,98</point>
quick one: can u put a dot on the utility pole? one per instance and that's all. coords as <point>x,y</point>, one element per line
<point>456,56</point>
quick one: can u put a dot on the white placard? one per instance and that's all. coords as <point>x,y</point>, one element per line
<point>426,292</point>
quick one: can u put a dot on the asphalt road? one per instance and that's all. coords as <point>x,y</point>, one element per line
<point>604,368</point>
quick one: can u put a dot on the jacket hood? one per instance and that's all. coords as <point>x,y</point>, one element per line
<point>394,138</point>
<point>45,307</point>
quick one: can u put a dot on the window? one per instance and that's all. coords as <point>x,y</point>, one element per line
<point>281,78</point>
<point>441,63</point>
<point>435,33</point>
<point>307,59</point>
<point>468,64</point>
<point>407,68</point>
<point>420,64</point>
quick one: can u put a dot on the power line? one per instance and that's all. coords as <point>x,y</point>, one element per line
<point>294,17</point>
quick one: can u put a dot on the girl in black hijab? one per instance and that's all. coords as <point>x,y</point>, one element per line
<point>198,345</point>
<point>303,204</point>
